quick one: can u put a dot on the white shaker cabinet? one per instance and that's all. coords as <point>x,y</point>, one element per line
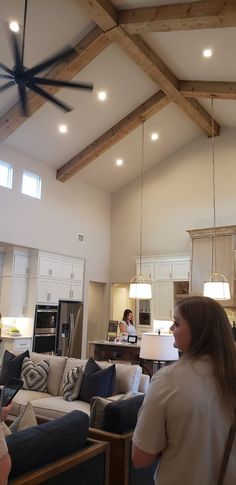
<point>70,270</point>
<point>163,300</point>
<point>70,291</point>
<point>14,283</point>
<point>47,290</point>
<point>49,267</point>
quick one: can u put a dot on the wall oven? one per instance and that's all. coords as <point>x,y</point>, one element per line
<point>45,328</point>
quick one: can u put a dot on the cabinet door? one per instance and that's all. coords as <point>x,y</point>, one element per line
<point>20,264</point>
<point>65,270</point>
<point>47,291</point>
<point>77,271</point>
<point>146,269</point>
<point>49,267</point>
<point>180,270</point>
<point>163,301</point>
<point>70,291</point>
<point>18,297</point>
<point>163,270</point>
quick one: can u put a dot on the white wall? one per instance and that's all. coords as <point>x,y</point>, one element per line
<point>177,196</point>
<point>51,224</point>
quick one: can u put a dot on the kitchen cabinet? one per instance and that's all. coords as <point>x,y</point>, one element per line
<point>12,344</point>
<point>163,300</point>
<point>49,267</point>
<point>223,239</point>
<point>13,296</point>
<point>47,290</point>
<point>172,269</point>
<point>70,291</point>
<point>71,270</point>
<point>14,283</point>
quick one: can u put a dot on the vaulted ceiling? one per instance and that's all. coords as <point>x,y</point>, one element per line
<point>147,55</point>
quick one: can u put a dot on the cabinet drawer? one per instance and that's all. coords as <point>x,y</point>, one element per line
<point>22,344</point>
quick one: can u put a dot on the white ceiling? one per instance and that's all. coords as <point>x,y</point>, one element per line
<point>52,24</point>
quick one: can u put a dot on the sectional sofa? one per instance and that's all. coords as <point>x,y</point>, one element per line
<point>51,404</point>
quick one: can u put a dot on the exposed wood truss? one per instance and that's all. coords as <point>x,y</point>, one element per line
<point>117,26</point>
<point>154,104</point>
<point>208,14</point>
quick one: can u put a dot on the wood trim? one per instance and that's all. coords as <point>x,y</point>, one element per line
<point>121,129</point>
<point>211,231</point>
<point>119,454</point>
<point>63,464</point>
<point>183,16</point>
<point>208,89</point>
<point>85,51</point>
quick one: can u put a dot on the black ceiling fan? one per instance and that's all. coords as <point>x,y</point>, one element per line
<point>25,78</point>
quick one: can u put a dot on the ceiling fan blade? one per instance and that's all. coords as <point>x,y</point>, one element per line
<point>5,68</point>
<point>49,97</point>
<point>16,51</point>
<point>22,96</point>
<point>62,84</point>
<point>6,76</point>
<point>51,60</point>
<point>7,85</point>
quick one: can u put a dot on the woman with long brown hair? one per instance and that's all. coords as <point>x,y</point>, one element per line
<point>190,405</point>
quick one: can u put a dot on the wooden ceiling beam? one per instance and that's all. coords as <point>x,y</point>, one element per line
<point>210,14</point>
<point>208,89</point>
<point>152,65</point>
<point>102,12</point>
<point>121,129</point>
<point>85,51</point>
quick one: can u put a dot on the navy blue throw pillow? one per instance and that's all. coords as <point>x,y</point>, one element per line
<point>37,446</point>
<point>97,381</point>
<point>121,416</point>
<point>11,366</point>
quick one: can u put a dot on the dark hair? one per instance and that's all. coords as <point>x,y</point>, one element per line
<point>125,316</point>
<point>212,335</point>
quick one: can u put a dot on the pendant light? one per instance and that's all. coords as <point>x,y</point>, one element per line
<point>140,288</point>
<point>217,287</point>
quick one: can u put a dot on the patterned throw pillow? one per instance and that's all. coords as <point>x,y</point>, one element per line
<point>34,375</point>
<point>72,384</point>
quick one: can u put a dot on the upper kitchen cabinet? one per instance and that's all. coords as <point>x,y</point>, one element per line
<point>14,282</point>
<point>224,241</point>
<point>172,268</point>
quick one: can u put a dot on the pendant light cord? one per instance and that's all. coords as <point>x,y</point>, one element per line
<point>23,36</point>
<point>141,201</point>
<point>213,255</point>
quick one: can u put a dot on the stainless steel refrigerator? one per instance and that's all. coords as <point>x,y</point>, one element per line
<point>69,328</point>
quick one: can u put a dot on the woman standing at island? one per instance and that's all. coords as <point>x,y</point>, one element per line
<point>126,325</point>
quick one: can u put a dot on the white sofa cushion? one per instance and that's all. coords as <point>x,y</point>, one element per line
<point>24,396</point>
<point>55,407</point>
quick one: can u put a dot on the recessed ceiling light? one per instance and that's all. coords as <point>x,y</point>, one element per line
<point>102,95</point>
<point>119,162</point>
<point>63,129</point>
<point>14,26</point>
<point>154,136</point>
<point>207,52</point>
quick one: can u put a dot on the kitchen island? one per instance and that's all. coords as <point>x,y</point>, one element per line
<point>115,351</point>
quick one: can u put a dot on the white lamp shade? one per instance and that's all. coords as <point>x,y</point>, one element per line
<point>158,347</point>
<point>218,290</point>
<point>141,291</point>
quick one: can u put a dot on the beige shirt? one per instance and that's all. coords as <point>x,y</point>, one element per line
<point>182,418</point>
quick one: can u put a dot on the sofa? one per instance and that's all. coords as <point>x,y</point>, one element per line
<point>58,452</point>
<point>51,404</point>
